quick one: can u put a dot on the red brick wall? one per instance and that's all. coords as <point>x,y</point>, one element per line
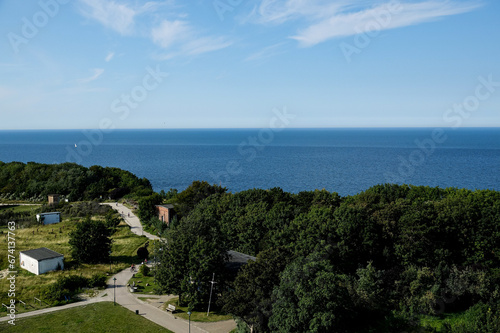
<point>164,214</point>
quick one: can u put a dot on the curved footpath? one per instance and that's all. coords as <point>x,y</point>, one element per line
<point>130,301</point>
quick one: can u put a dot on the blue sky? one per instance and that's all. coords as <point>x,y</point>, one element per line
<point>230,63</point>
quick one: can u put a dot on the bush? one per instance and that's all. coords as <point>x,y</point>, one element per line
<point>98,281</point>
<point>144,270</point>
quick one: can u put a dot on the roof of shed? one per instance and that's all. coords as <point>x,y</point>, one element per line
<point>42,253</point>
<point>169,206</point>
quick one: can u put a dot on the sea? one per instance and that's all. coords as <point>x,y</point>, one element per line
<point>342,160</point>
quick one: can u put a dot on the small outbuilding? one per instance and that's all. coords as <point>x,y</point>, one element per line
<point>53,199</point>
<point>165,213</point>
<point>48,218</point>
<point>40,261</point>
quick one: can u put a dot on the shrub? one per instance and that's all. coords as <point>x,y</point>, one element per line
<point>98,281</point>
<point>144,270</point>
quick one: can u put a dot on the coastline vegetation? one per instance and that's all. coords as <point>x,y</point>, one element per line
<point>392,258</point>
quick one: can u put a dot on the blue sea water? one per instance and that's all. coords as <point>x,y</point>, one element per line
<point>346,161</point>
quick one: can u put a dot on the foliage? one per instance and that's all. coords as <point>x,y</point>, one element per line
<point>68,286</point>
<point>147,209</point>
<point>144,270</point>
<point>195,193</point>
<point>312,297</point>
<point>393,251</point>
<point>34,181</point>
<point>90,242</point>
<point>193,250</point>
<point>251,295</point>
<point>143,253</point>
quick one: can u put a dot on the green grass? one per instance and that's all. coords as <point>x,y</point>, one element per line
<point>200,316</point>
<point>17,208</point>
<point>98,317</point>
<point>56,237</point>
<point>140,283</point>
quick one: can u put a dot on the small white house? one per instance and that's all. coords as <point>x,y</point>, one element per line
<point>48,218</point>
<point>40,261</point>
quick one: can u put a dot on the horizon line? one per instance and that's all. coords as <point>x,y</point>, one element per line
<point>250,128</point>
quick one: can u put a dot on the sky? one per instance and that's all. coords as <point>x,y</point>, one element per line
<point>239,63</point>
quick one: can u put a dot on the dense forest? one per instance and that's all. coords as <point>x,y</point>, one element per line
<point>34,181</point>
<point>393,258</point>
<point>385,260</point>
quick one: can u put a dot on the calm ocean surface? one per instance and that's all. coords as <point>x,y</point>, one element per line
<point>346,161</point>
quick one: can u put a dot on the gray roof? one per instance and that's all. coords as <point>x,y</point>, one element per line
<point>169,206</point>
<point>236,261</point>
<point>42,253</point>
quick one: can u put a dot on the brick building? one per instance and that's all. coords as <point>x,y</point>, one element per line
<point>165,212</point>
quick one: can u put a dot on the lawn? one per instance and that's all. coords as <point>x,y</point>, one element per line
<point>20,208</point>
<point>201,316</point>
<point>141,281</point>
<point>56,237</point>
<point>97,317</point>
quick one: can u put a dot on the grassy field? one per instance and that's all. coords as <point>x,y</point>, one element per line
<point>56,237</point>
<point>16,208</point>
<point>97,317</point>
<point>141,281</point>
<point>181,311</point>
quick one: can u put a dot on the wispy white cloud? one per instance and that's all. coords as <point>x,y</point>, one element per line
<point>325,20</point>
<point>408,14</point>
<point>97,73</point>
<point>180,38</point>
<point>119,17</point>
<point>267,52</point>
<point>109,57</point>
<point>170,32</point>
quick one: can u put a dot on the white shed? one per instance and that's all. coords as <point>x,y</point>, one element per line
<point>42,260</point>
<point>49,218</point>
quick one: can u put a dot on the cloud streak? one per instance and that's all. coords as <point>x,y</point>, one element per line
<point>180,38</point>
<point>97,73</point>
<point>327,21</point>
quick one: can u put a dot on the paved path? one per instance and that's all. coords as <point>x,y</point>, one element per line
<point>131,220</point>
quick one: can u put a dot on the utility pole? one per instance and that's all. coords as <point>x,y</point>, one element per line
<point>211,288</point>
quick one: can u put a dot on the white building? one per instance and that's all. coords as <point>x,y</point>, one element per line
<point>48,218</point>
<point>42,260</point>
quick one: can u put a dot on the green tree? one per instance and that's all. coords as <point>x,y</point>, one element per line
<point>90,242</point>
<point>312,297</point>
<point>194,249</point>
<point>251,295</point>
<point>195,193</point>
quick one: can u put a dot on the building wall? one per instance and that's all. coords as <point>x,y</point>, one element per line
<point>49,218</point>
<point>28,263</point>
<point>50,264</point>
<point>164,214</point>
<point>53,199</point>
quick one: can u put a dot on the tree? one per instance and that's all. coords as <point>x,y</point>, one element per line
<point>312,297</point>
<point>194,250</point>
<point>90,242</point>
<point>251,295</point>
<point>195,193</point>
<point>143,253</point>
